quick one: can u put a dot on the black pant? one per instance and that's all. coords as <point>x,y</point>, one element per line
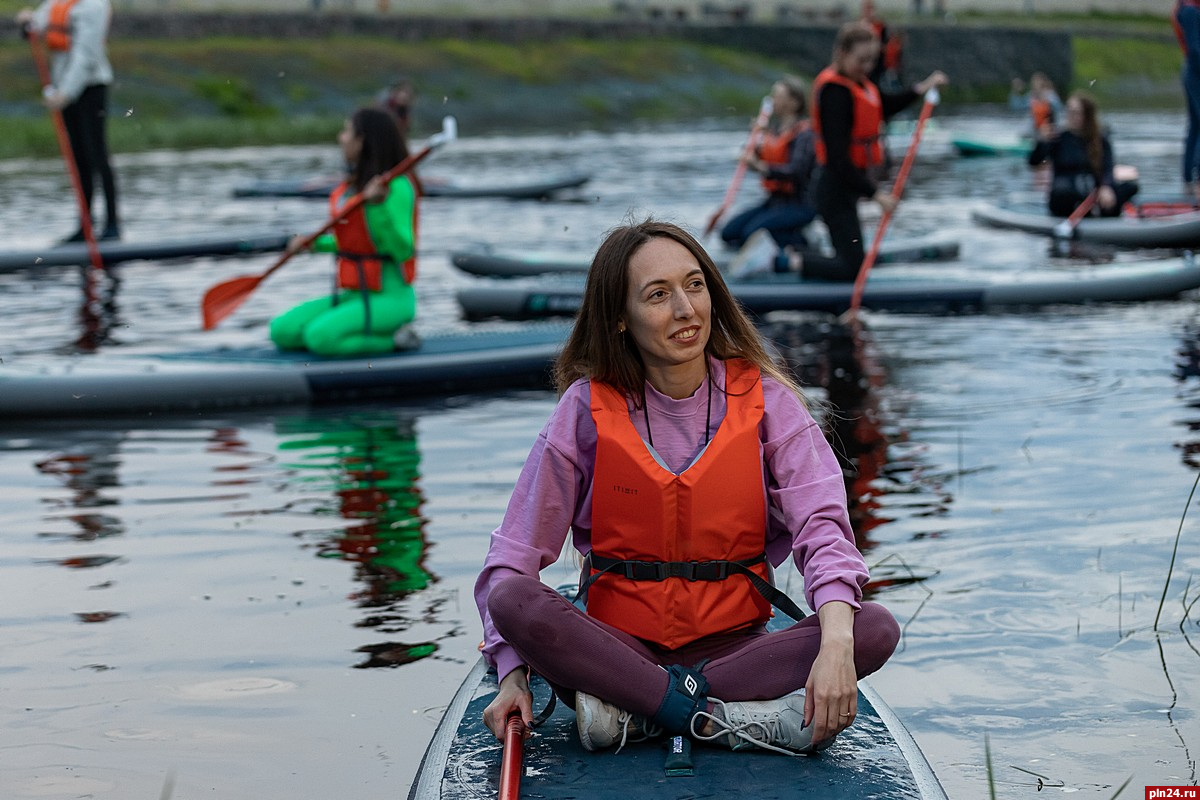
<point>85,123</point>
<point>839,210</point>
<point>1063,201</point>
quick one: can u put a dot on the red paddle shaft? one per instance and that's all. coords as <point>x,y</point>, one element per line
<point>931,99</point>
<point>511,763</point>
<point>68,156</point>
<point>1063,230</point>
<point>760,123</point>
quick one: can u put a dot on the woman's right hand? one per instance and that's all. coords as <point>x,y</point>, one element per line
<point>1047,132</point>
<point>514,695</point>
<point>295,244</point>
<point>886,201</point>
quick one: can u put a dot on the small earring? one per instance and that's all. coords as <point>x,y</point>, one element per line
<point>621,328</point>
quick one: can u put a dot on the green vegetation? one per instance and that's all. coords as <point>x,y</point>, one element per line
<point>1102,66</point>
<point>225,91</point>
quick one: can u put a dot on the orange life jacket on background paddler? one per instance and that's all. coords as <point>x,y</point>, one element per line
<point>58,30</point>
<point>663,544</point>
<point>866,146</point>
<point>359,263</point>
<point>773,150</point>
<point>1042,113</point>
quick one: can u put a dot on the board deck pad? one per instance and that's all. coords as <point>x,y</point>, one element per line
<point>867,761</point>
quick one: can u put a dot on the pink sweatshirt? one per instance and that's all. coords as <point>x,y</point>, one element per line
<point>805,492</point>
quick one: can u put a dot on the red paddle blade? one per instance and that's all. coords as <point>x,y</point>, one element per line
<point>224,298</point>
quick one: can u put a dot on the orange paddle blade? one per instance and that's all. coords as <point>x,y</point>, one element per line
<point>224,298</point>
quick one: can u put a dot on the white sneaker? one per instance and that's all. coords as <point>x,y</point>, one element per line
<point>406,338</point>
<point>776,725</point>
<point>756,257</point>
<point>602,724</point>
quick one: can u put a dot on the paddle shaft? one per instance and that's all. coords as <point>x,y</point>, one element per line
<point>760,123</point>
<point>349,207</point>
<point>860,283</point>
<point>1081,211</point>
<point>68,155</point>
<point>511,762</point>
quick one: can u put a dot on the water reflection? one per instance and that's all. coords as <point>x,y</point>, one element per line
<point>841,359</point>
<point>1187,368</point>
<point>98,312</point>
<point>87,472</point>
<point>368,464</point>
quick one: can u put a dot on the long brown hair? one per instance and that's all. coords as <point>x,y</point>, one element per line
<point>1089,131</point>
<point>596,350</point>
<point>382,145</point>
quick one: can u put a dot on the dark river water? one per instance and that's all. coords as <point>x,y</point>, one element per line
<point>278,604</point>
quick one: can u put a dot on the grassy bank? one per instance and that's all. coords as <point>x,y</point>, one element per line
<point>228,92</point>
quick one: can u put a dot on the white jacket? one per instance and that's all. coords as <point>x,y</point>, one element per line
<point>86,62</point>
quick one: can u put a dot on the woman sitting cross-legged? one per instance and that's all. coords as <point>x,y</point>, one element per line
<point>684,464</point>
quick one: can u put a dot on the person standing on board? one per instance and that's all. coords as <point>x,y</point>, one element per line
<point>398,99</point>
<point>373,296</point>
<point>880,28</point>
<point>849,113</point>
<point>1186,22</point>
<point>76,32</point>
<point>1041,102</point>
<point>684,464</point>
<point>785,158</point>
<point>1081,160</point>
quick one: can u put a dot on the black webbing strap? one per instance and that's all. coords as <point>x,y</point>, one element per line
<point>689,571</point>
<point>359,259</point>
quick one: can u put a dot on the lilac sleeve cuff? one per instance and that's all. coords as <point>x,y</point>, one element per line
<point>836,590</point>
<point>505,660</point>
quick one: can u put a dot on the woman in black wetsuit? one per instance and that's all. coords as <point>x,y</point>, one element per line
<point>1082,159</point>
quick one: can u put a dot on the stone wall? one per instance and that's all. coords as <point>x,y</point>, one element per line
<point>973,57</point>
<point>695,10</point>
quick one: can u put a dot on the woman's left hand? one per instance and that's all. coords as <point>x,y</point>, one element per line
<point>375,190</point>
<point>1107,197</point>
<point>54,99</point>
<point>936,78</point>
<point>831,701</point>
<point>752,162</point>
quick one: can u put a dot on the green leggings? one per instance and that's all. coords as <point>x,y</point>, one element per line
<point>326,328</point>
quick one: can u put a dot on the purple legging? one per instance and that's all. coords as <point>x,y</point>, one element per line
<point>575,652</point>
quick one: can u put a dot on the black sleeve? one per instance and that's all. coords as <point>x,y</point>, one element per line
<point>836,107</point>
<point>1040,152</point>
<point>1106,177</point>
<point>895,102</point>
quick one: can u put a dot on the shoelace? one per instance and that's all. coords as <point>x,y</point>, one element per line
<point>625,721</point>
<point>769,727</point>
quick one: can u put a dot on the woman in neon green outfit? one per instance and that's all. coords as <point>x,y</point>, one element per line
<point>375,247</point>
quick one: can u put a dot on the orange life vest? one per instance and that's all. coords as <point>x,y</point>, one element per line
<point>893,52</point>
<point>359,263</point>
<point>1042,112</point>
<point>866,148</point>
<point>58,30</point>
<point>713,513</point>
<point>1175,22</point>
<point>773,150</point>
